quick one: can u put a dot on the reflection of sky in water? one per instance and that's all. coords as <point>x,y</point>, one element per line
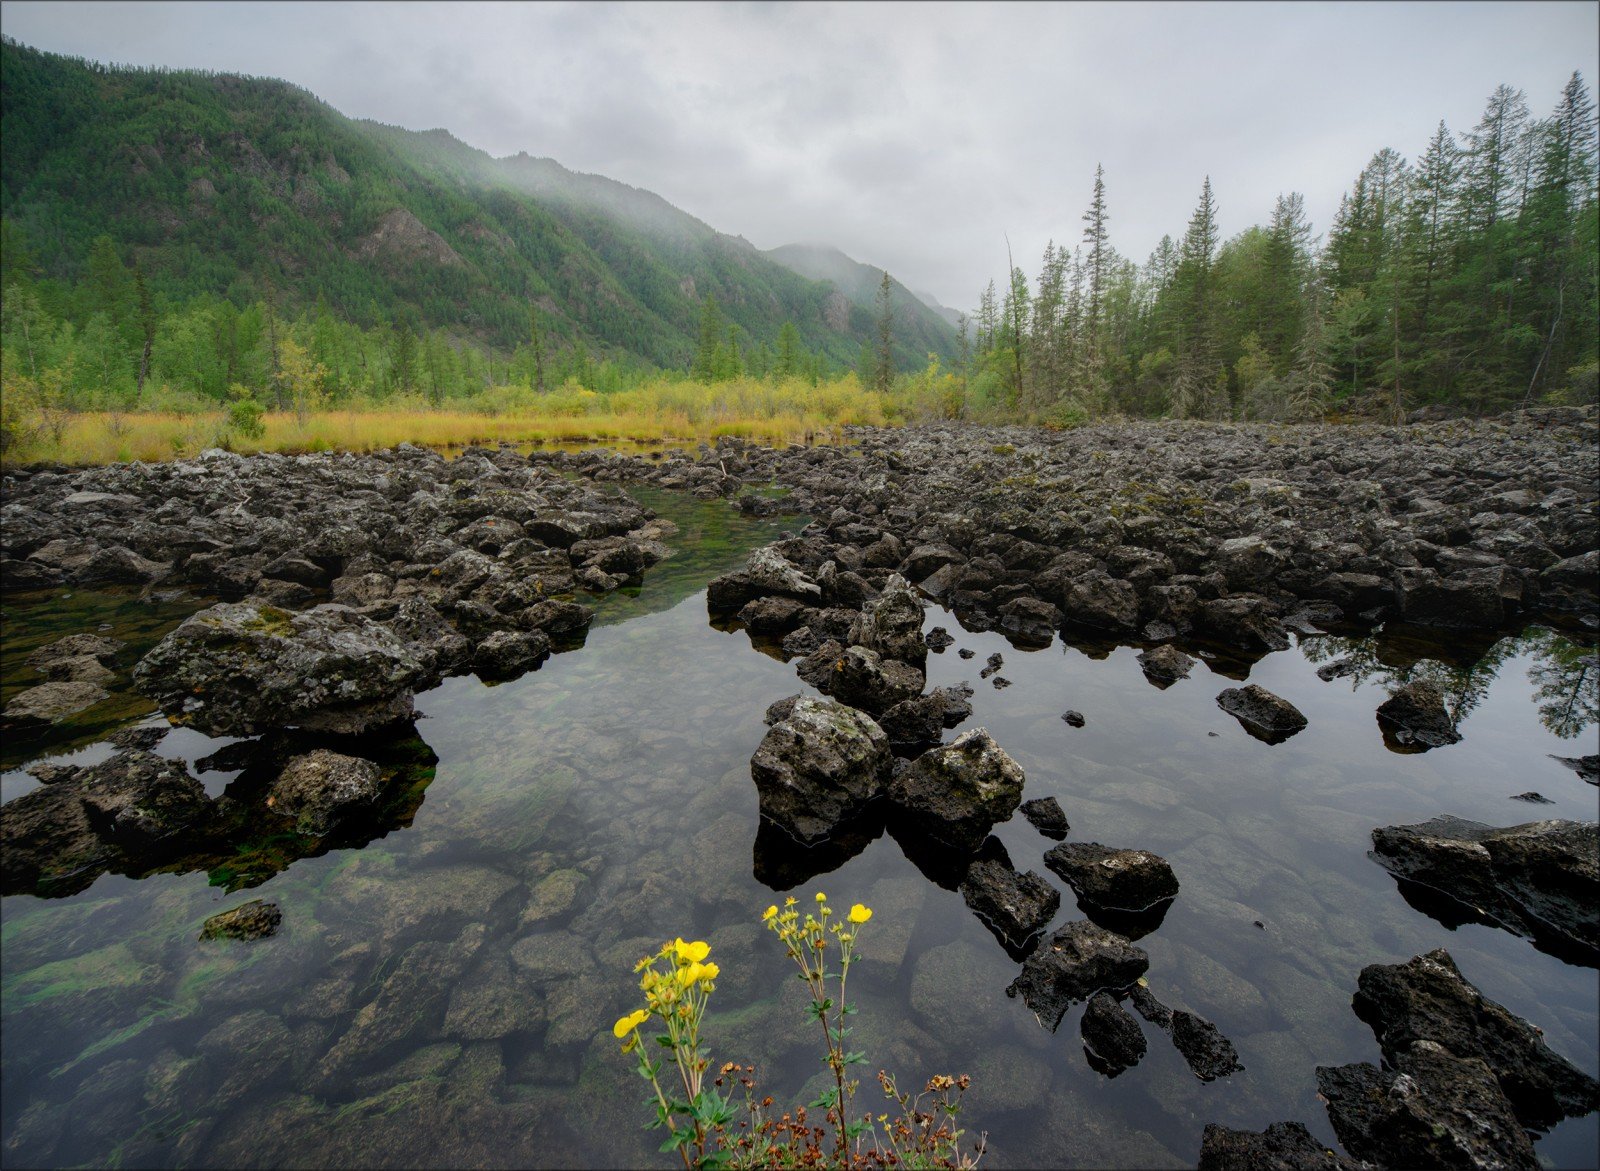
<point>621,772</point>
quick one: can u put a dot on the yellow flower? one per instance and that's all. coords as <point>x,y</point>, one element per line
<point>789,902</point>
<point>692,953</point>
<point>627,1024</point>
<point>709,972</point>
<point>691,973</point>
<point>821,898</point>
<point>860,914</point>
<point>770,912</point>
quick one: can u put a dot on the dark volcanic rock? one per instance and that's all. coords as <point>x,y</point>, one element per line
<point>1015,906</point>
<point>863,679</point>
<point>772,615</point>
<point>1282,1146</point>
<point>1267,717</point>
<point>1415,718</point>
<point>1210,1055</point>
<point>1118,880</point>
<point>817,766</point>
<point>958,793</point>
<point>1097,601</point>
<point>892,625</point>
<point>505,654</point>
<point>1587,767</point>
<point>1112,1039</point>
<point>1427,999</point>
<point>140,802</point>
<point>321,788</point>
<point>1046,816</point>
<point>918,723</point>
<point>1165,665</point>
<point>1431,1109</point>
<point>1028,622</point>
<point>47,845</point>
<point>1539,879</point>
<point>938,639</point>
<point>239,668</point>
<point>1074,963</point>
<point>256,919</point>
<point>1074,719</point>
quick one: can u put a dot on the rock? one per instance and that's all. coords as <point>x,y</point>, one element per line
<point>53,774</point>
<point>991,665</point>
<point>1282,1146</point>
<point>1117,880</point>
<point>1165,665</point>
<point>1532,798</point>
<point>1077,961</point>
<point>1015,906</point>
<point>817,766</point>
<point>1427,999</point>
<point>956,794</point>
<point>321,788</point>
<point>1265,716</point>
<point>556,617</point>
<point>1097,601</point>
<point>75,646</point>
<point>50,703</point>
<point>47,845</point>
<point>773,573</point>
<point>1337,669</point>
<point>239,668</point>
<point>1112,1039</point>
<point>916,724</point>
<point>1248,563</point>
<point>505,654</point>
<point>1540,879</point>
<point>1469,598</point>
<point>1587,767</point>
<point>256,919</point>
<point>439,646</point>
<point>1029,622</point>
<point>1243,620</point>
<point>1046,816</point>
<point>139,801</point>
<point>772,615</point>
<point>862,679</point>
<point>1210,1055</point>
<point>1431,1109</point>
<point>938,639</point>
<point>144,738</point>
<point>553,898</point>
<point>1415,717</point>
<point>892,625</point>
<point>1074,719</point>
<point>1150,1008</point>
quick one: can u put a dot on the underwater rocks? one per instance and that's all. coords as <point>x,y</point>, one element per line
<point>1427,999</point>
<point>1114,880</point>
<point>239,668</point>
<point>819,764</point>
<point>1268,717</point>
<point>1414,718</point>
<point>1282,1146</point>
<point>256,919</point>
<point>956,794</point>
<point>1074,963</point>
<point>1539,880</point>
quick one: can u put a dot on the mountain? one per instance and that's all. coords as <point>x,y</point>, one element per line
<point>914,320</point>
<point>227,186</point>
<point>951,316</point>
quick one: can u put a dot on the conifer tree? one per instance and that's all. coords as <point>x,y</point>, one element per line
<point>883,370</point>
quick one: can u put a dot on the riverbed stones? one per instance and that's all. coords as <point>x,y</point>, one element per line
<point>239,668</point>
<point>957,793</point>
<point>1112,879</point>
<point>1269,718</point>
<point>1540,879</point>
<point>1076,961</point>
<point>1428,999</point>
<point>255,919</point>
<point>1416,719</point>
<point>1282,1146</point>
<point>321,788</point>
<point>1429,1108</point>
<point>819,764</point>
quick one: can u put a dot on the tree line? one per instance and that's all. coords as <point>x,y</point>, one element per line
<point>1466,278</point>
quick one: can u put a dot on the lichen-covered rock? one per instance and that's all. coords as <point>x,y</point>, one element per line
<point>322,788</point>
<point>239,668</point>
<point>863,679</point>
<point>891,625</point>
<point>1268,717</point>
<point>956,794</point>
<point>1074,963</point>
<point>1416,719</point>
<point>1539,879</point>
<point>1029,622</point>
<point>1097,601</point>
<point>1118,880</point>
<point>138,801</point>
<point>50,703</point>
<point>505,654</point>
<point>819,764</point>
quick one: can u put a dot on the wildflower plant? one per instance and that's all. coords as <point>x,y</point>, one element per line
<point>677,982</point>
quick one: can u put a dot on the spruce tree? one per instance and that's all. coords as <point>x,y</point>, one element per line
<point>883,370</point>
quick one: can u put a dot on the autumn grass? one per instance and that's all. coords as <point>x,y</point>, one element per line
<point>658,412</point>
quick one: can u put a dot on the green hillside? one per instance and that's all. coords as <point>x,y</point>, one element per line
<point>231,187</point>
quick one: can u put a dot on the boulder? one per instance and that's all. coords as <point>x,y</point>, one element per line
<point>505,654</point>
<point>1428,1109</point>
<point>863,679</point>
<point>773,573</point>
<point>818,765</point>
<point>47,846</point>
<point>919,722</point>
<point>1245,621</point>
<point>1427,999</point>
<point>1540,879</point>
<point>1267,717</point>
<point>772,615</point>
<point>1469,598</point>
<point>322,788</point>
<point>1077,961</point>
<point>1112,1039</point>
<point>891,625</point>
<point>1210,1055</point>
<point>1095,600</point>
<point>1116,880</point>
<point>1028,622</point>
<point>75,646</point>
<point>1165,665</point>
<point>240,668</point>
<point>956,794</point>
<point>140,802</point>
<point>1046,815</point>
<point>1015,906</point>
<point>1415,718</point>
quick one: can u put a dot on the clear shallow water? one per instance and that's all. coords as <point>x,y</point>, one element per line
<point>443,995</point>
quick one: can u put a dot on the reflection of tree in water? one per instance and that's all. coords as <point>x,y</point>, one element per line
<point>1566,677</point>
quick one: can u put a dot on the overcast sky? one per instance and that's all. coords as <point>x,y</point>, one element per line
<point>911,135</point>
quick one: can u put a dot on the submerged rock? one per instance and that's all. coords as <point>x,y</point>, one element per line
<point>1540,879</point>
<point>1267,717</point>
<point>1428,999</point>
<point>1112,1039</point>
<point>1282,1146</point>
<point>1430,1109</point>
<point>958,793</point>
<point>1117,880</point>
<point>819,764</point>
<point>1415,718</point>
<point>1210,1055</point>
<point>256,919</point>
<point>1077,961</point>
<point>321,788</point>
<point>240,668</point>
